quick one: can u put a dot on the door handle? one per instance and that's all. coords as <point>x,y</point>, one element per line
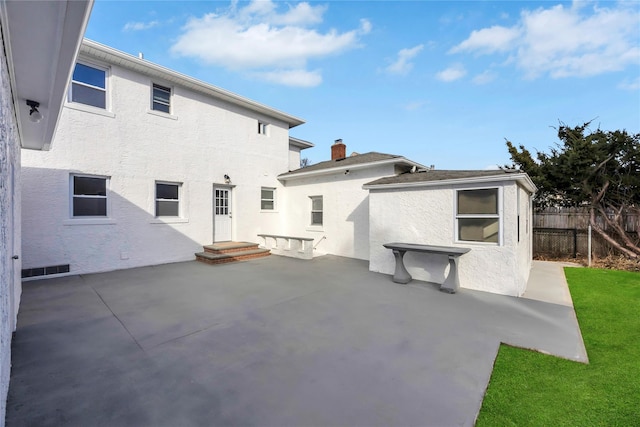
<point>15,257</point>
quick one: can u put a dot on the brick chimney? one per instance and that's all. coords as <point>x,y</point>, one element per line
<point>338,150</point>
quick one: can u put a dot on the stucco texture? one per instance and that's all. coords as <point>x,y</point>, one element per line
<point>427,216</point>
<point>203,140</point>
<point>10,287</point>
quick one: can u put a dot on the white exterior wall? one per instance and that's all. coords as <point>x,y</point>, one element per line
<point>345,229</point>
<point>294,158</point>
<point>10,284</point>
<point>427,216</point>
<point>203,140</point>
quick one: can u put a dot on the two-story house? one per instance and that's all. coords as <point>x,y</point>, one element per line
<point>149,165</point>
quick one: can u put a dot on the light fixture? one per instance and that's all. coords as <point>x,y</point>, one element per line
<point>227,178</point>
<point>34,115</point>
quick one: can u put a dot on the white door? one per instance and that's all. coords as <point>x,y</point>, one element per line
<point>221,214</point>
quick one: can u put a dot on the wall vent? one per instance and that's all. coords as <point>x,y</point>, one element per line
<point>45,271</point>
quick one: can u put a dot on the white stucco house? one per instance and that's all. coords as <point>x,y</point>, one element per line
<point>38,46</point>
<point>149,165</point>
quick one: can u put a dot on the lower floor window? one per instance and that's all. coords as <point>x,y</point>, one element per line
<point>478,215</point>
<point>267,199</point>
<point>316,210</point>
<point>167,199</point>
<point>89,196</point>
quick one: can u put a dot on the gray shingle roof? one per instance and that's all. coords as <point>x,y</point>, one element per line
<point>439,175</point>
<point>347,161</point>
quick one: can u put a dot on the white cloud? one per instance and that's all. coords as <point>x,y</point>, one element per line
<point>452,73</point>
<point>297,78</point>
<point>413,106</point>
<point>139,26</point>
<point>484,78</point>
<point>564,41</point>
<point>269,42</point>
<point>630,84</point>
<point>402,64</point>
<point>488,40</point>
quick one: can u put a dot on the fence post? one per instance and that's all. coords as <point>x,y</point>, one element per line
<point>575,243</point>
<point>589,244</point>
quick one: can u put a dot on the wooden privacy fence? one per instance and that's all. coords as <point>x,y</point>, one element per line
<point>563,232</point>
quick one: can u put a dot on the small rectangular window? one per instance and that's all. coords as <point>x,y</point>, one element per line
<point>167,199</point>
<point>268,199</point>
<point>316,210</point>
<point>262,128</point>
<point>477,216</point>
<point>89,196</point>
<point>89,86</point>
<point>161,99</point>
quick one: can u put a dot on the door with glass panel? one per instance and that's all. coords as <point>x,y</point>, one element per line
<point>222,214</point>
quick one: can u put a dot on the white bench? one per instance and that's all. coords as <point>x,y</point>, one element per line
<point>295,247</point>
<point>451,283</point>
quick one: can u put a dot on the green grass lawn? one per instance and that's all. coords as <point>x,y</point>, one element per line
<point>529,388</point>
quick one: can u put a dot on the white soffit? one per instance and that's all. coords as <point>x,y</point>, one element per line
<point>42,39</point>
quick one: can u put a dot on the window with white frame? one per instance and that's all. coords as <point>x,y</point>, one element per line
<point>262,128</point>
<point>316,210</point>
<point>89,86</point>
<point>161,98</point>
<point>89,196</point>
<point>267,199</point>
<point>168,199</point>
<point>478,215</point>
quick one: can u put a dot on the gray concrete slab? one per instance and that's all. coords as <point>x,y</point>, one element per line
<point>273,341</point>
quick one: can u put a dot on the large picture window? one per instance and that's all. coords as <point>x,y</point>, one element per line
<point>89,196</point>
<point>89,86</point>
<point>268,199</point>
<point>478,215</point>
<point>316,210</point>
<point>167,199</point>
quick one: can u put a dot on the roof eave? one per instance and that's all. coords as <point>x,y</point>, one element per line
<point>109,54</point>
<point>329,171</point>
<point>522,178</point>
<point>41,41</point>
<point>300,143</point>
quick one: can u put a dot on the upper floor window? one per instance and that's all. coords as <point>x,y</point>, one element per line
<point>268,199</point>
<point>262,128</point>
<point>167,199</point>
<point>89,86</point>
<point>89,196</point>
<point>316,210</point>
<point>478,215</point>
<point>161,98</point>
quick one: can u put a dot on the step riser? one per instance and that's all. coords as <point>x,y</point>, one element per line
<point>231,259</point>
<point>229,251</point>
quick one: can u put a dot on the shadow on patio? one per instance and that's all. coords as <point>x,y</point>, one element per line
<point>273,341</point>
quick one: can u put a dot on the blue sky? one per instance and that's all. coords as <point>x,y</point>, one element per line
<point>441,83</point>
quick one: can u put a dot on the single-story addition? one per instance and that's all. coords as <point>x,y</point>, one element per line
<point>487,211</point>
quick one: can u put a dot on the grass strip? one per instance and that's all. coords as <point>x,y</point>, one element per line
<point>532,389</point>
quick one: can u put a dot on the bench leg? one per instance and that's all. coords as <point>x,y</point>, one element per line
<point>451,283</point>
<point>401,274</point>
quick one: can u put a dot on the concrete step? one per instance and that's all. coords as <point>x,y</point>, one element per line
<point>230,247</point>
<point>216,258</point>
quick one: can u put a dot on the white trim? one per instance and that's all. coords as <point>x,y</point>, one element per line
<point>161,114</point>
<point>181,217</point>
<point>500,216</point>
<point>107,84</point>
<point>87,219</point>
<point>351,167</point>
<point>521,178</point>
<point>273,199</point>
<point>89,109</point>
<point>96,50</point>
<point>300,143</point>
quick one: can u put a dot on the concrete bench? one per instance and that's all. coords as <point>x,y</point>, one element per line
<point>451,283</point>
<point>291,246</point>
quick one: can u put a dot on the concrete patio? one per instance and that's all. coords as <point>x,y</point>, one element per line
<point>269,342</point>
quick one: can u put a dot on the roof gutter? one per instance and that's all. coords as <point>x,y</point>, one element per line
<point>329,171</point>
<point>300,143</point>
<point>100,51</point>
<point>521,178</point>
